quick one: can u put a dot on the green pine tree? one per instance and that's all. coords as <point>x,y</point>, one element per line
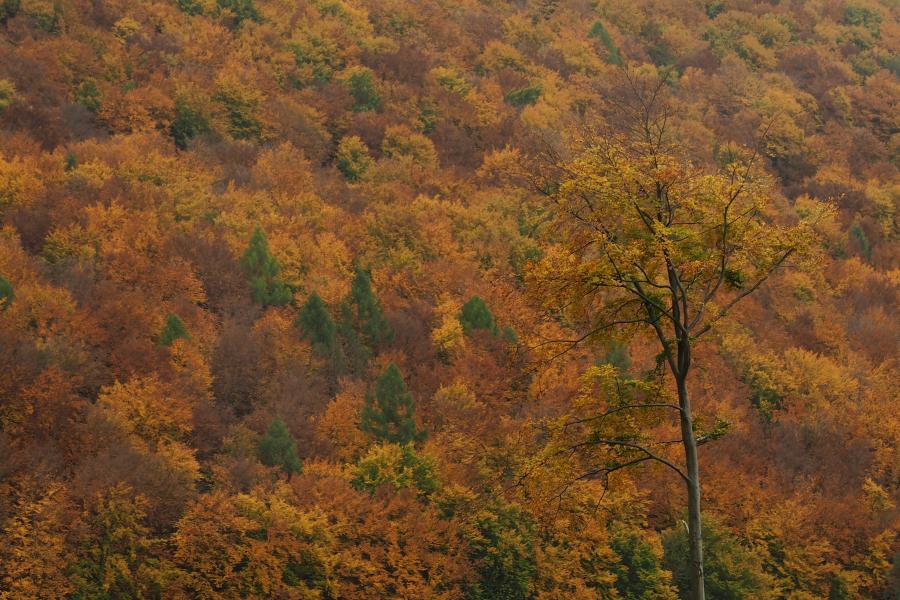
<point>612,52</point>
<point>71,162</point>
<point>320,329</point>
<point>8,10</point>
<point>389,414</point>
<point>189,122</point>
<point>476,315</point>
<point>355,351</point>
<point>375,329</point>
<point>174,329</point>
<point>6,293</point>
<point>89,95</point>
<point>865,248</point>
<point>277,448</point>
<point>262,268</point>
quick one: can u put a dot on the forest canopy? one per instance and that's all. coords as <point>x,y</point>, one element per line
<point>351,299</point>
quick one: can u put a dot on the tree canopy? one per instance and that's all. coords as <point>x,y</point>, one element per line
<point>632,266</point>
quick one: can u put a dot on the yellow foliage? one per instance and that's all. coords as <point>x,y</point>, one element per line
<point>498,55</point>
<point>7,94</point>
<point>877,498</point>
<point>401,141</point>
<point>20,181</point>
<point>456,407</point>
<point>125,28</point>
<point>448,337</point>
<point>338,427</point>
<point>33,552</point>
<point>145,408</point>
<point>92,174</point>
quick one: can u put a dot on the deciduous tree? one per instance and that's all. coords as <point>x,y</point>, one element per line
<point>651,241</point>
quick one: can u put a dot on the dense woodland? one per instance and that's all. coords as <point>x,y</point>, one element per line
<point>275,319</point>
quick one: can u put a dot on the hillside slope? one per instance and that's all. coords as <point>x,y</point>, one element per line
<point>265,330</point>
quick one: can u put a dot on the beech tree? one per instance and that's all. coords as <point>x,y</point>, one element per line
<point>384,132</point>
<point>362,88</point>
<point>240,10</point>
<point>189,121</point>
<point>651,241</point>
<point>397,467</point>
<point>733,571</point>
<point>115,557</point>
<point>352,158</point>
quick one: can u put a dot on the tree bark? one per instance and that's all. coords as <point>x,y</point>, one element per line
<point>694,525</point>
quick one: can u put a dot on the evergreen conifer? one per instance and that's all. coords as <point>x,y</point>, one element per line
<point>277,448</point>
<point>476,315</point>
<point>263,269</point>
<point>389,414</point>
<point>375,329</point>
<point>320,329</point>
<point>173,329</point>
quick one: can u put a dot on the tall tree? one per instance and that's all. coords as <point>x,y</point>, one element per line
<point>389,414</point>
<point>646,240</point>
<point>263,270</point>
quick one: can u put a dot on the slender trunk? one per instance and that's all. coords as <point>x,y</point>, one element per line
<point>693,489</point>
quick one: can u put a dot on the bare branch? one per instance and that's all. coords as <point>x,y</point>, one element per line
<point>639,448</point>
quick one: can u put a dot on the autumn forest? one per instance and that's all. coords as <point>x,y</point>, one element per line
<point>451,299</point>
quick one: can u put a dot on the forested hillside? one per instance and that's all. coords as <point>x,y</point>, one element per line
<point>279,314</point>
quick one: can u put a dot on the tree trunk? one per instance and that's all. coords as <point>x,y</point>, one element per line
<point>693,489</point>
